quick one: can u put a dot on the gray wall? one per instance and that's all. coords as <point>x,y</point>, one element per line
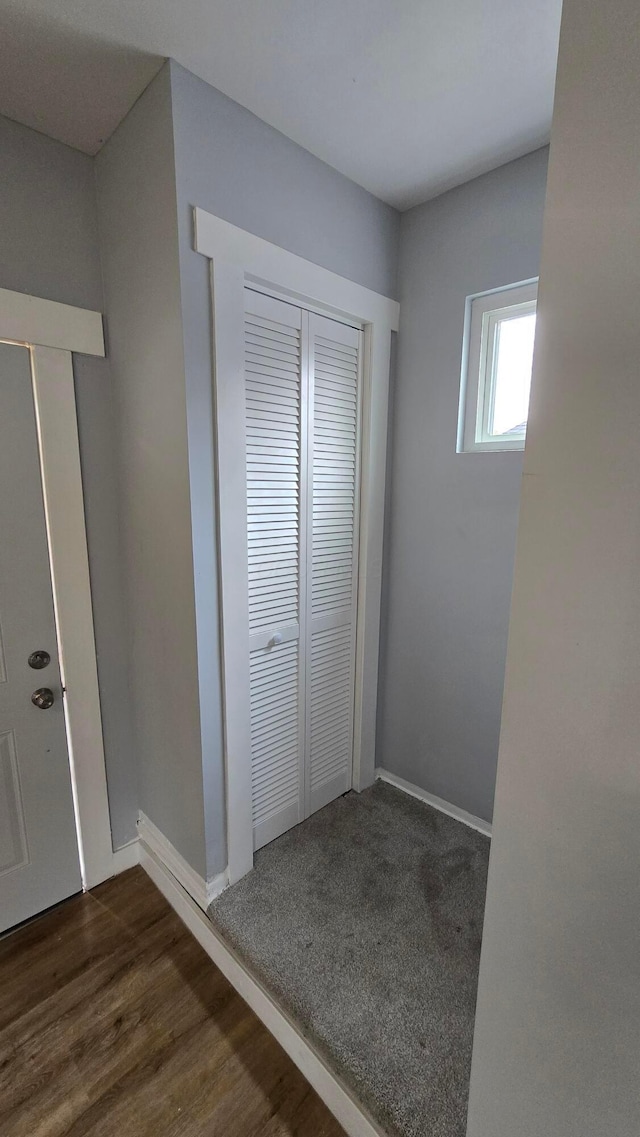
<point>557,1043</point>
<point>237,167</point>
<point>49,248</point>
<point>452,518</point>
<point>138,232</point>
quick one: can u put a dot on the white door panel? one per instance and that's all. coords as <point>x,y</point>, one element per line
<point>302,406</point>
<point>274,407</point>
<point>334,388</point>
<point>39,863</point>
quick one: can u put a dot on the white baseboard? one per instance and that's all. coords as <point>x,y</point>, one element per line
<point>436,802</point>
<point>329,1088</point>
<point>126,857</point>
<point>201,890</point>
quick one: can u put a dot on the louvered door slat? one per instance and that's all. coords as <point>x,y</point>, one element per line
<point>274,406</point>
<point>331,606</point>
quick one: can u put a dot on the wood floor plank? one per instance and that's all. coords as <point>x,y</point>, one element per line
<point>117,1024</point>
<point>119,1015</point>
<point>68,986</point>
<point>79,934</point>
<point>129,900</point>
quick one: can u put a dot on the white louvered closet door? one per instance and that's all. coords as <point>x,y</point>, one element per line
<point>275,407</point>
<point>334,367</point>
<point>301,384</point>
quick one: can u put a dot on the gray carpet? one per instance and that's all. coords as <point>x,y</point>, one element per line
<point>365,923</point>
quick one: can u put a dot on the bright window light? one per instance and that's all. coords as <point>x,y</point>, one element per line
<point>496,378</point>
<point>514,358</point>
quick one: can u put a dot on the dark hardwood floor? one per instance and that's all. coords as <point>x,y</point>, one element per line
<point>113,1021</point>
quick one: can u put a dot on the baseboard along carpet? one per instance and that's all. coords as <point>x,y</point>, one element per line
<point>364,922</point>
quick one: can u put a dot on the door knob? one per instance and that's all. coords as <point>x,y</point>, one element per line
<point>43,698</point>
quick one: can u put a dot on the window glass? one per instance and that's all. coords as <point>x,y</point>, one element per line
<point>512,382</point>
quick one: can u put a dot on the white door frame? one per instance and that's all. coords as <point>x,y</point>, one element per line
<point>52,332</point>
<point>239,258</point>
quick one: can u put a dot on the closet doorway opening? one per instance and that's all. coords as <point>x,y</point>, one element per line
<point>301,378</point>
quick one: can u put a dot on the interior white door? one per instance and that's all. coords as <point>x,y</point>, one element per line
<point>275,406</point>
<point>39,861</point>
<point>302,395</point>
<point>334,369</point>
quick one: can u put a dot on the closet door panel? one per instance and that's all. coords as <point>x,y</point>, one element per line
<point>276,455</point>
<point>275,741</point>
<point>330,715</point>
<point>334,382</point>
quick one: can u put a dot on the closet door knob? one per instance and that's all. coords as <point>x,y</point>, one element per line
<point>275,639</point>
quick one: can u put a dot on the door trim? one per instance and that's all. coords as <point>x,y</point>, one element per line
<point>51,331</point>
<point>239,258</point>
<point>31,320</point>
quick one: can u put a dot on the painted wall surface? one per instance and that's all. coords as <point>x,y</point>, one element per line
<point>557,1043</point>
<point>452,518</point>
<point>139,241</point>
<point>232,164</point>
<point>49,248</point>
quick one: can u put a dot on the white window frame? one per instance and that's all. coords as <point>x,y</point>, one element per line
<point>484,311</point>
<point>51,332</point>
<point>239,258</point>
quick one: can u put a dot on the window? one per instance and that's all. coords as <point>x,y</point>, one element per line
<point>496,374</point>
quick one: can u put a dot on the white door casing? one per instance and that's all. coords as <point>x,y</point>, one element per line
<point>239,259</point>
<point>52,331</point>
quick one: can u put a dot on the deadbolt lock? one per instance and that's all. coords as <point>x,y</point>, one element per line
<point>39,659</point>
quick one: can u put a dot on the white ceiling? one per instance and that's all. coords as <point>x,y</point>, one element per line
<point>407,97</point>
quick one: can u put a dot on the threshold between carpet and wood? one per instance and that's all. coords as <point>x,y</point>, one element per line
<point>364,922</point>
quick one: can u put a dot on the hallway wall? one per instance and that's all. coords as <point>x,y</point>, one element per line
<point>49,248</point>
<point>451,518</point>
<point>139,244</point>
<point>557,1045</point>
